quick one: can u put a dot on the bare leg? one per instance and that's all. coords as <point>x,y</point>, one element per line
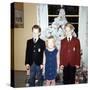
<point>48,82</point>
<point>52,82</point>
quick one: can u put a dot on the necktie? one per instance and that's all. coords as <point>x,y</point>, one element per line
<point>35,40</point>
<point>69,39</point>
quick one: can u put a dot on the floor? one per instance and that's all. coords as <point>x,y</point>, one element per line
<point>21,77</point>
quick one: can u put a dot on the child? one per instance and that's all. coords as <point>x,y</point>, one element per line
<point>51,54</point>
<point>69,55</point>
<point>34,56</point>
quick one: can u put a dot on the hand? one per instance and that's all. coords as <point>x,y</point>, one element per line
<point>76,66</point>
<point>41,66</point>
<point>61,67</point>
<point>27,66</point>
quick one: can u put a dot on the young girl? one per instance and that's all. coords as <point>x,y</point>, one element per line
<point>51,63</point>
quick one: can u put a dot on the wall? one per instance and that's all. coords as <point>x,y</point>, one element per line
<point>30,18</point>
<point>22,34</point>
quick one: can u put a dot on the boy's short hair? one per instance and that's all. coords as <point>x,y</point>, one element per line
<point>36,27</point>
<point>69,25</point>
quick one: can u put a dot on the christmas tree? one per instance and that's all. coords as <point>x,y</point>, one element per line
<point>56,29</point>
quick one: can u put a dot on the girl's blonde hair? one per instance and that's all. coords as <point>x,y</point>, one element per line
<point>50,37</point>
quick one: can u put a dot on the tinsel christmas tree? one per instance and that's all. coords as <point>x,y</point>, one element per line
<point>56,29</point>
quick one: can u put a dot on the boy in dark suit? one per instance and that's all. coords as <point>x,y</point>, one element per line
<point>69,55</point>
<point>34,56</point>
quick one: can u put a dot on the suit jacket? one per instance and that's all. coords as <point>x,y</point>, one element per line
<point>70,52</point>
<point>34,52</point>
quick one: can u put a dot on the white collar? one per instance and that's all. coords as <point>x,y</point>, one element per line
<point>69,37</point>
<point>51,49</point>
<point>35,39</point>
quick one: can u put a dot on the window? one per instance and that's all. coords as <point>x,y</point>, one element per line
<point>72,14</point>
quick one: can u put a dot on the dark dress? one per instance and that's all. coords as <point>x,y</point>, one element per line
<point>51,64</point>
